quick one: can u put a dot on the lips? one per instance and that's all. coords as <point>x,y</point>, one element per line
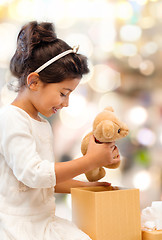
<point>54,110</point>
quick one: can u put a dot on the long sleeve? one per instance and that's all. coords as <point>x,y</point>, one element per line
<point>21,149</point>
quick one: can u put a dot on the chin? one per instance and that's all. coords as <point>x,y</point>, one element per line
<point>47,115</point>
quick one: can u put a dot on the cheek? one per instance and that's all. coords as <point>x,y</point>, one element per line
<point>53,99</point>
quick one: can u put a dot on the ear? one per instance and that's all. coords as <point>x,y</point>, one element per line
<point>104,131</point>
<point>33,81</point>
<point>108,129</point>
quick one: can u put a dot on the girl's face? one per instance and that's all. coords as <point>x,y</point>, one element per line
<point>53,96</point>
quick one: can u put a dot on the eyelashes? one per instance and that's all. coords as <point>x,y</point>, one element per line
<point>62,95</point>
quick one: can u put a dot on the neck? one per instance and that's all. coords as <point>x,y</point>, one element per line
<point>24,103</point>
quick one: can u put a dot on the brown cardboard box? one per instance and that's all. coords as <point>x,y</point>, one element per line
<point>105,213</point>
<point>152,235</point>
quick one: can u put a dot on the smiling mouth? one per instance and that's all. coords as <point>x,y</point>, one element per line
<point>54,110</point>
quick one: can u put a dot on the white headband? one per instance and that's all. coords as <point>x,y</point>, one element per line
<point>73,50</point>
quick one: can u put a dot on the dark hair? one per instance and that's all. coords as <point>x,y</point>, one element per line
<point>36,44</point>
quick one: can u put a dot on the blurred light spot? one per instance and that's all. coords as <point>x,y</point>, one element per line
<point>43,8</point>
<point>128,49</point>
<point>56,10</point>
<point>147,22</point>
<point>130,33</point>
<point>74,102</point>
<point>76,115</point>
<point>147,67</point>
<point>134,61</point>
<point>149,48</point>
<point>107,35</point>
<point>155,10</point>
<point>108,99</point>
<point>142,180</point>
<point>3,2</point>
<point>25,9</point>
<point>137,115</point>
<point>7,40</point>
<point>141,2</point>
<point>104,79</point>
<point>89,9</point>
<point>124,10</point>
<point>117,49</point>
<point>65,23</point>
<point>146,137</point>
<point>85,45</point>
<point>142,156</point>
<point>100,54</point>
<point>88,76</point>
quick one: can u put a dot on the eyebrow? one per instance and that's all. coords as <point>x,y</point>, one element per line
<point>68,89</point>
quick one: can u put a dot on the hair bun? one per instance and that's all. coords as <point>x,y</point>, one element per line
<point>43,32</point>
<point>33,34</point>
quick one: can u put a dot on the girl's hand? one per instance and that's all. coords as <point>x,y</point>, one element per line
<point>97,184</point>
<point>116,155</point>
<point>102,154</point>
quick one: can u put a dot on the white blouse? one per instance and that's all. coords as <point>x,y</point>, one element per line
<point>27,175</point>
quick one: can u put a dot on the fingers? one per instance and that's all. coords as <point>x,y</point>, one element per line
<point>115,152</point>
<point>105,184</point>
<point>111,145</point>
<point>101,184</point>
<point>116,161</point>
<point>115,155</point>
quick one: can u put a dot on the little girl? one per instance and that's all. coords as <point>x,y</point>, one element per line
<point>48,70</point>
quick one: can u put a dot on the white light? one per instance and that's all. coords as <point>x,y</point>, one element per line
<point>25,9</point>
<point>142,180</point>
<point>137,115</point>
<point>147,67</point>
<point>104,79</point>
<point>87,77</point>
<point>147,22</point>
<point>130,33</point>
<point>55,10</point>
<point>3,2</point>
<point>77,114</point>
<point>128,49</point>
<point>107,35</point>
<point>112,98</point>
<point>134,61</point>
<point>150,48</point>
<point>146,137</point>
<point>141,2</point>
<point>77,103</point>
<point>124,10</point>
<point>85,45</point>
<point>89,9</point>
<point>7,35</point>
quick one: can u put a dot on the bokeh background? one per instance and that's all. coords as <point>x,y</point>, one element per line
<point>123,41</point>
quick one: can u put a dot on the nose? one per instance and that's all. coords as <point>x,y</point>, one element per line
<point>65,102</point>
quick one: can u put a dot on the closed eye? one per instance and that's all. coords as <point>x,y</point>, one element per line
<point>62,95</point>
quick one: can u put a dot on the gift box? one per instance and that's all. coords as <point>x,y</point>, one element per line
<point>107,212</point>
<point>152,235</point>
